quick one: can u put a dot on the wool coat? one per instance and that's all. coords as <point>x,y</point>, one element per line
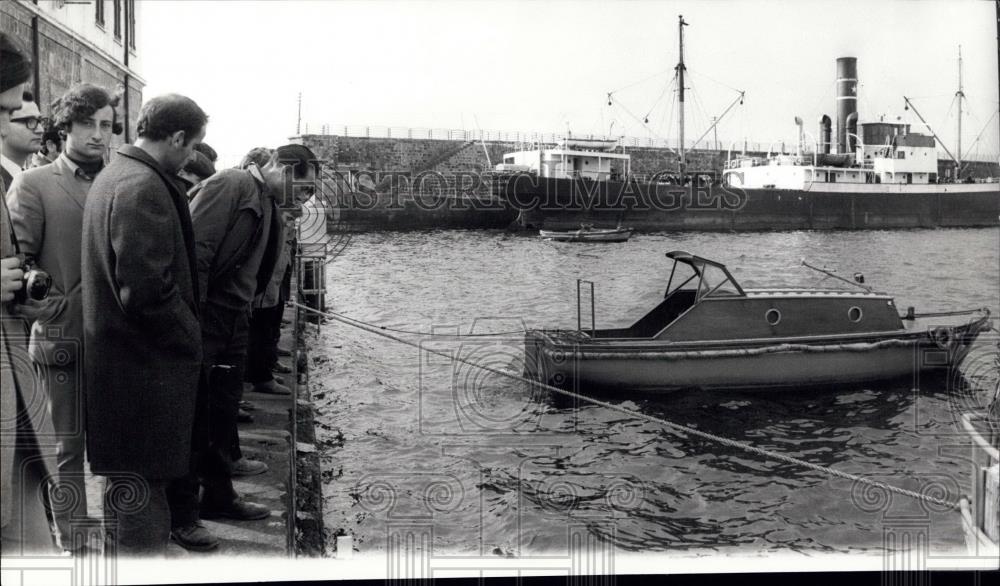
<point>142,339</point>
<point>21,398</point>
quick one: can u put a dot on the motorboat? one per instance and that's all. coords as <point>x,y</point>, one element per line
<point>709,332</point>
<point>587,233</point>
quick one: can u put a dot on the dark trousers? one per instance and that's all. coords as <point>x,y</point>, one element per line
<point>27,531</point>
<point>62,384</point>
<point>224,348</point>
<point>133,527</point>
<point>262,349</point>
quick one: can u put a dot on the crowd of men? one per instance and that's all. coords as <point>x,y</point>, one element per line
<point>168,285</point>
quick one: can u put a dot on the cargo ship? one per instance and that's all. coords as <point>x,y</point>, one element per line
<point>871,175</point>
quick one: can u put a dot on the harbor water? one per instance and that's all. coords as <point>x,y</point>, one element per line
<point>476,464</point>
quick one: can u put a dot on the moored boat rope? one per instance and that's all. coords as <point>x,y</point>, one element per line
<point>676,427</point>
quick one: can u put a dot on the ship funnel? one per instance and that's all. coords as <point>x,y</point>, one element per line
<point>798,149</point>
<point>824,134</point>
<point>847,98</point>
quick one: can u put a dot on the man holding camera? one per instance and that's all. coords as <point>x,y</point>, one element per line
<point>46,207</point>
<point>25,461</point>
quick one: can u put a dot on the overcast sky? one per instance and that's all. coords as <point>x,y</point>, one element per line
<point>547,66</point>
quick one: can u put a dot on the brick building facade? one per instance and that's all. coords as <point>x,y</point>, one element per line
<point>74,41</point>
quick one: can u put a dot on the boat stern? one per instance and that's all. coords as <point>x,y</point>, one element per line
<point>548,355</point>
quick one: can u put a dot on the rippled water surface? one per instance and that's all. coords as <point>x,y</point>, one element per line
<point>481,466</point>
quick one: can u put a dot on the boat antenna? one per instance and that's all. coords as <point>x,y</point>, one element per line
<point>838,277</point>
<point>680,93</point>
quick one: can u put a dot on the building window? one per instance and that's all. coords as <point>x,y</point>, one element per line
<point>117,7</point>
<point>130,7</point>
<point>99,12</point>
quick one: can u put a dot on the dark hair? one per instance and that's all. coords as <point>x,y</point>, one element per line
<point>258,156</point>
<point>80,103</point>
<point>297,155</point>
<point>51,135</point>
<point>15,65</point>
<point>209,152</point>
<point>164,115</point>
<point>199,164</point>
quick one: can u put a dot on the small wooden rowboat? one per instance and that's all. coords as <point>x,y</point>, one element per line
<point>709,332</point>
<point>588,233</point>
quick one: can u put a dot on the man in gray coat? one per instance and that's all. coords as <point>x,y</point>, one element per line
<point>46,208</point>
<point>142,337</point>
<point>25,428</point>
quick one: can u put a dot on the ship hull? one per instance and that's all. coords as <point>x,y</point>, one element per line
<point>560,204</point>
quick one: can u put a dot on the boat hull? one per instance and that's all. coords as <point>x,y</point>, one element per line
<point>571,360</point>
<point>561,204</point>
<point>586,236</point>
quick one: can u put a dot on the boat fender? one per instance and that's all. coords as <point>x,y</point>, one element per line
<point>942,337</point>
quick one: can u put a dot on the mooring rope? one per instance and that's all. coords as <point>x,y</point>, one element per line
<point>669,424</point>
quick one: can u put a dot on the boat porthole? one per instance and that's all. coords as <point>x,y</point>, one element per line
<point>773,316</point>
<point>855,314</point>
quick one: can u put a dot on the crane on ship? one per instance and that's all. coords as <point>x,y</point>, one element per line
<point>957,100</point>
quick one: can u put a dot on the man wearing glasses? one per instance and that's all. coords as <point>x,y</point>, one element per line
<point>236,216</point>
<point>46,208</point>
<point>23,138</point>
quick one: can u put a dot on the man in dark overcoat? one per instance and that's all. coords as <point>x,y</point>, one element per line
<point>142,338</point>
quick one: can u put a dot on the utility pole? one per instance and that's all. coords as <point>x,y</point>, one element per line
<point>298,121</point>
<point>715,131</point>
<point>680,93</point>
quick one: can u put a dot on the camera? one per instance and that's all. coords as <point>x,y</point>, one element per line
<point>35,283</point>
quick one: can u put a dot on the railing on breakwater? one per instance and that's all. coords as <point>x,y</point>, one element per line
<point>551,138</point>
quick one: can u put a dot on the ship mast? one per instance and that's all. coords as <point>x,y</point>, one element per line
<point>680,93</point>
<point>960,96</point>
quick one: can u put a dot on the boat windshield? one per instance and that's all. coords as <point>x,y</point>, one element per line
<point>703,279</point>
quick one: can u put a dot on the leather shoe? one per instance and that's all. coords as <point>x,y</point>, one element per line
<point>247,467</point>
<point>284,351</point>
<point>272,388</point>
<point>239,510</point>
<point>194,537</point>
<point>281,368</point>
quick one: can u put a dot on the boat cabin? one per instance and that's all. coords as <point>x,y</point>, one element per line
<point>882,153</point>
<point>588,158</point>
<point>704,302</point>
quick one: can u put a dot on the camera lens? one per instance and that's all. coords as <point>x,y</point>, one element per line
<point>37,284</point>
